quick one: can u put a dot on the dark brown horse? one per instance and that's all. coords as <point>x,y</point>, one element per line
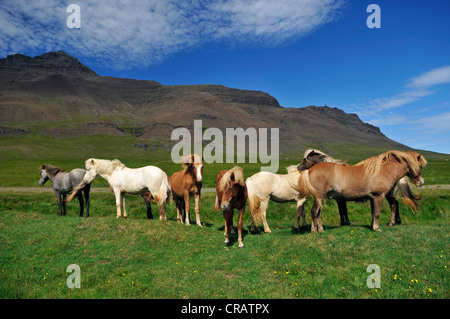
<point>231,194</point>
<point>372,179</point>
<point>187,183</point>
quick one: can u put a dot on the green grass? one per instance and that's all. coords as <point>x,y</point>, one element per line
<point>140,258</point>
<point>22,157</point>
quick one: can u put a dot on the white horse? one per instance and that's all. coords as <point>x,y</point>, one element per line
<point>124,180</point>
<point>280,188</point>
<point>263,186</point>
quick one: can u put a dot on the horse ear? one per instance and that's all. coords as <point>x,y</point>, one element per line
<point>43,166</point>
<point>418,157</point>
<point>232,177</point>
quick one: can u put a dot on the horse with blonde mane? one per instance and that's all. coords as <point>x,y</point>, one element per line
<point>313,157</point>
<point>231,194</point>
<point>124,180</point>
<point>373,179</point>
<point>265,186</point>
<point>187,183</point>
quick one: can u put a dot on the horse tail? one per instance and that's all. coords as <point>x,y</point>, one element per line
<point>305,187</point>
<point>254,203</point>
<point>164,192</point>
<point>408,197</point>
<point>216,203</point>
<point>76,190</point>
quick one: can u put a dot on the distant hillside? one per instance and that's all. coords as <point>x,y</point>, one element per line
<point>56,95</point>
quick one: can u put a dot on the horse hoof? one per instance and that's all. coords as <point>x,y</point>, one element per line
<point>241,246</point>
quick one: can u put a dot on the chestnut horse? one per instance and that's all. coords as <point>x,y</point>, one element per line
<point>373,179</point>
<point>231,194</point>
<point>186,183</point>
<point>313,157</point>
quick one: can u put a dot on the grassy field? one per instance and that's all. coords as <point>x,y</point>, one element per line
<point>140,258</point>
<point>22,157</point>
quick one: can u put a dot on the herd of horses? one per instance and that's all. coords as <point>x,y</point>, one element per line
<point>318,175</point>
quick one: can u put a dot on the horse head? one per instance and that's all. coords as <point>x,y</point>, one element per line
<point>230,185</point>
<point>195,163</point>
<point>415,168</point>
<point>44,176</point>
<point>313,157</point>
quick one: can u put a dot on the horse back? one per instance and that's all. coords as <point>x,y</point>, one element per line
<point>340,180</point>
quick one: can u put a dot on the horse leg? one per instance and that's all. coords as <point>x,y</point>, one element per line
<point>395,213</point>
<point>87,188</point>
<point>187,207</point>
<point>197,210</point>
<point>64,203</point>
<point>80,199</point>
<point>122,200</point>
<point>118,195</point>
<point>58,196</point>
<point>300,212</point>
<point>263,206</point>
<point>375,204</point>
<point>342,204</point>
<point>316,223</point>
<point>162,211</point>
<point>148,199</point>
<point>226,214</point>
<point>179,210</point>
<point>240,224</point>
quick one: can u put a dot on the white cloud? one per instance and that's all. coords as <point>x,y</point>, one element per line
<point>435,124</point>
<point>381,104</point>
<point>436,76</point>
<point>132,33</point>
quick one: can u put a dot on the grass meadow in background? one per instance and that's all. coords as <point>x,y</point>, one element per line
<point>140,258</point>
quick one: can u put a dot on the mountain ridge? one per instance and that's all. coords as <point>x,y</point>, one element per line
<point>54,94</point>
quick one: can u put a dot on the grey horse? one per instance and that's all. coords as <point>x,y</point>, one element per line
<point>63,183</point>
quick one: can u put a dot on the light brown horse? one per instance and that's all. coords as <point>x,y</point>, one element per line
<point>371,179</point>
<point>186,183</point>
<point>231,194</point>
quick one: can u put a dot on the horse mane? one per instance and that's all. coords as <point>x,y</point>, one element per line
<point>238,177</point>
<point>409,159</point>
<point>187,160</point>
<point>52,170</point>
<point>292,169</point>
<point>104,166</point>
<point>326,158</point>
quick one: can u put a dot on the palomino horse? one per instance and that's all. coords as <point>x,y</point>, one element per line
<point>124,180</point>
<point>373,179</point>
<point>186,183</point>
<point>63,183</point>
<point>231,194</point>
<point>279,188</point>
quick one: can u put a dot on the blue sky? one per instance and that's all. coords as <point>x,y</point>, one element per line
<point>303,52</point>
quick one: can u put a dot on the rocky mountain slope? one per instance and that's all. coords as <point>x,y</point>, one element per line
<point>56,95</point>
